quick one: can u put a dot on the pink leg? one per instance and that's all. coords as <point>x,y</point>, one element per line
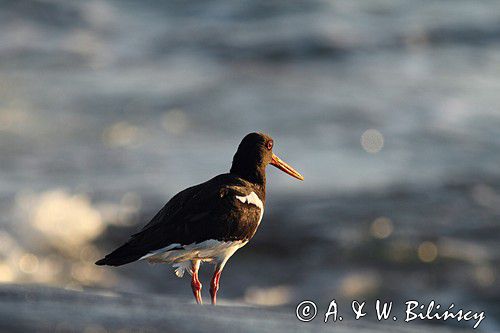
<point>214,283</point>
<point>195,282</point>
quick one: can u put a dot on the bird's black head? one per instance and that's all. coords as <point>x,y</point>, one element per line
<point>254,153</point>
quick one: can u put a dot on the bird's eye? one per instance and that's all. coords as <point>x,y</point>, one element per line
<point>269,144</point>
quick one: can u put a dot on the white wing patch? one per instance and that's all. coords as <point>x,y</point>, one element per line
<point>253,199</point>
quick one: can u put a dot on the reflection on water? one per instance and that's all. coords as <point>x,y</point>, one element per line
<point>389,109</point>
<point>61,228</point>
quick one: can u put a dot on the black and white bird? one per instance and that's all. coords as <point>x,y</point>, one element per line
<point>210,221</point>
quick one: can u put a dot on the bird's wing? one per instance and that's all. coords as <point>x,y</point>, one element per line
<point>176,203</point>
<point>206,211</point>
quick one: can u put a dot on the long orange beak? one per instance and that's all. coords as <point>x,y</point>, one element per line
<point>285,167</point>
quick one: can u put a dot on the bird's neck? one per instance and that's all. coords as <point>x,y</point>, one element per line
<point>256,175</point>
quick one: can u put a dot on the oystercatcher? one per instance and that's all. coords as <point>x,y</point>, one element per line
<point>210,221</point>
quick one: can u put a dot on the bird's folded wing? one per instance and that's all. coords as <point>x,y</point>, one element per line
<point>205,211</point>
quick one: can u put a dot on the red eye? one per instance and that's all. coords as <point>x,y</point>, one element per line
<point>269,145</point>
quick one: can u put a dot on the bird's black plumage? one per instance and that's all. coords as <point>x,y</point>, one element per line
<point>206,211</point>
<point>209,210</point>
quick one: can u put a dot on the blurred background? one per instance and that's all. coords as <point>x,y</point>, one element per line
<point>390,109</point>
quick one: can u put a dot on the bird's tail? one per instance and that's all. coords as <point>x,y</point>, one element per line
<point>125,254</point>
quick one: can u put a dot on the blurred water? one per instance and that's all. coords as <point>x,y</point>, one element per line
<point>315,75</point>
<point>116,98</point>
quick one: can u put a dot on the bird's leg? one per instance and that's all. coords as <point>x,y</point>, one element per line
<point>195,282</point>
<point>214,283</point>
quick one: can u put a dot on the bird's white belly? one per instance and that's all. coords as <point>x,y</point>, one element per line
<point>208,250</point>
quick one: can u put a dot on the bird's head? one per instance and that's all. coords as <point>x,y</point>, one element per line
<point>254,153</point>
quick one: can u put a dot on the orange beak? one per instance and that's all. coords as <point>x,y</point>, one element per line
<point>285,167</point>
